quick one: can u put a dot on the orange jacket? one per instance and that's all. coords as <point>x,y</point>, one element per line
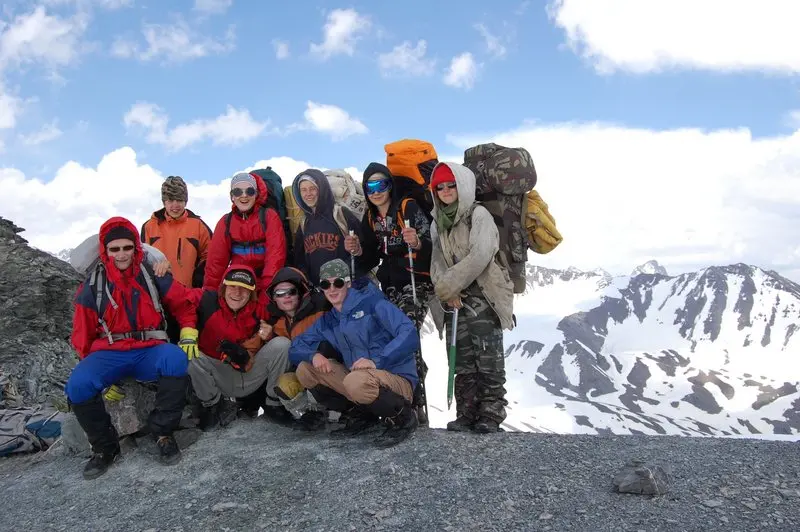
<point>184,241</point>
<point>311,307</point>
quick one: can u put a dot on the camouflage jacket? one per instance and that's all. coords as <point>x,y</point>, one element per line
<point>467,253</point>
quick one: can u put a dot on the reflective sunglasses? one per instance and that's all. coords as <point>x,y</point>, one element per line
<point>117,249</point>
<point>376,187</point>
<point>250,191</point>
<point>337,283</point>
<point>284,292</point>
<point>448,186</point>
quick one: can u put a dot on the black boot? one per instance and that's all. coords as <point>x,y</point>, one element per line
<point>278,414</point>
<point>166,416</point>
<point>397,414</point>
<point>312,421</point>
<point>461,424</point>
<point>220,414</point>
<point>96,423</point>
<point>357,420</point>
<point>484,425</point>
<point>168,451</point>
<point>249,405</point>
<point>420,403</point>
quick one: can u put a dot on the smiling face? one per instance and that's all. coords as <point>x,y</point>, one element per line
<point>236,297</point>
<point>174,208</point>
<point>309,192</point>
<point>243,196</point>
<point>286,297</point>
<point>335,295</point>
<point>379,190</point>
<point>121,252</point>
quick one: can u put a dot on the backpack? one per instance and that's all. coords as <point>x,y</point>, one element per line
<point>540,226</point>
<point>411,162</point>
<point>503,178</point>
<point>346,192</point>
<point>29,429</point>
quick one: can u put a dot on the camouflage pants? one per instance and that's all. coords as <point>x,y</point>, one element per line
<point>480,363</point>
<point>403,298</point>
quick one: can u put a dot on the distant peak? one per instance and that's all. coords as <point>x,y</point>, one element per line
<point>651,267</point>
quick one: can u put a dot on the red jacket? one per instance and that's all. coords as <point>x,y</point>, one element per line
<point>247,243</point>
<point>135,310</point>
<point>217,322</point>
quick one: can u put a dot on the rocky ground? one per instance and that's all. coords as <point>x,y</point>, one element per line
<point>254,475</point>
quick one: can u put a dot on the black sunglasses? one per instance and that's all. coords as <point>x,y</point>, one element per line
<point>284,292</point>
<point>250,191</point>
<point>337,283</point>
<point>442,186</point>
<point>117,249</point>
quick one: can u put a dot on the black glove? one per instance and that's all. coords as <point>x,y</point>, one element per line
<point>234,354</point>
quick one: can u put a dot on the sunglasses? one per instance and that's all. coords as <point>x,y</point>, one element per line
<point>117,249</point>
<point>285,292</point>
<point>250,191</point>
<point>448,186</point>
<point>337,283</point>
<point>381,185</point>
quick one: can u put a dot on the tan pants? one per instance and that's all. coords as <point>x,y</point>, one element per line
<point>360,386</point>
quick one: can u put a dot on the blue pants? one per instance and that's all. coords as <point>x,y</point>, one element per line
<point>101,369</point>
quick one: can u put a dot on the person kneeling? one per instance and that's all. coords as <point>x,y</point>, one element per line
<point>375,342</point>
<point>234,360</point>
<point>119,331</point>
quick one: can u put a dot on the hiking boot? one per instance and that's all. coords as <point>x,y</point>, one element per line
<point>356,421</point>
<point>422,416</point>
<point>169,454</point>
<point>461,424</point>
<point>249,405</point>
<point>398,415</point>
<point>486,426</point>
<point>279,415</point>
<point>221,414</point>
<point>99,464</point>
<point>311,421</point>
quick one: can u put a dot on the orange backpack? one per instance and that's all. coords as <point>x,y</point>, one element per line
<point>411,162</point>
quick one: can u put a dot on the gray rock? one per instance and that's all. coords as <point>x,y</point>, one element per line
<point>642,479</point>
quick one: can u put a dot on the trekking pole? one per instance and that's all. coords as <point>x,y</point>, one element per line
<point>411,264</point>
<point>352,262</point>
<point>451,358</point>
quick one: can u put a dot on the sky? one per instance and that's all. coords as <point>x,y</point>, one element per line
<point>660,129</point>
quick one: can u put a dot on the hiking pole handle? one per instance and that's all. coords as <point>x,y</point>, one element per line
<point>411,265</point>
<point>352,261</point>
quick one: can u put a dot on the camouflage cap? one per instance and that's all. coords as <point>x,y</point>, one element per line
<point>174,188</point>
<point>334,269</point>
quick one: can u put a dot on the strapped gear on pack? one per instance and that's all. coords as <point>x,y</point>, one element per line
<point>411,162</point>
<point>102,298</point>
<point>504,182</point>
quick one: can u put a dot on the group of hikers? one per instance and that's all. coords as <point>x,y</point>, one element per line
<point>253,314</point>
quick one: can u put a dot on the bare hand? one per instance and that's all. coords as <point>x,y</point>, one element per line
<point>455,303</point>
<point>161,268</point>
<point>363,363</point>
<point>321,364</point>
<point>411,238</point>
<point>264,330</point>
<point>352,245</point>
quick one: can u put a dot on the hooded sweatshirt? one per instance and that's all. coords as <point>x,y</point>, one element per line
<point>247,243</point>
<point>135,310</point>
<point>319,238</point>
<point>383,237</point>
<point>311,306</point>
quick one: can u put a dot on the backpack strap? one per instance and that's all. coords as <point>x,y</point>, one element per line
<point>149,280</point>
<point>99,285</point>
<point>401,212</point>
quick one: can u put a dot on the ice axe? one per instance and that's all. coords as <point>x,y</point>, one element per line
<point>352,261</point>
<point>451,358</point>
<point>411,264</point>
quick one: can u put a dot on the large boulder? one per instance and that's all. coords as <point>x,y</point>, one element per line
<point>36,293</point>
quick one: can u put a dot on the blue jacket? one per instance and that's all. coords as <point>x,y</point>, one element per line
<point>369,326</point>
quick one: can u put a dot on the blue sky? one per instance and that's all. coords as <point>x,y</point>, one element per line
<point>82,75</point>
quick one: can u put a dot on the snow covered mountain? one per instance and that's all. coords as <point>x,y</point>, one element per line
<point>651,267</point>
<point>713,352</point>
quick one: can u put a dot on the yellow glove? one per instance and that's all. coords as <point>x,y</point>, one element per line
<point>288,386</point>
<point>188,342</point>
<point>114,393</point>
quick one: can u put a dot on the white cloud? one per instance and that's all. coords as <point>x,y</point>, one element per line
<point>212,6</point>
<point>493,43</point>
<point>174,43</point>
<point>10,107</point>
<point>331,120</point>
<point>37,37</point>
<point>78,201</point>
<point>793,119</point>
<point>462,72</point>
<point>234,127</point>
<point>654,35</point>
<point>686,197</point>
<point>49,132</point>
<point>343,28</point>
<point>403,59</point>
<point>281,48</point>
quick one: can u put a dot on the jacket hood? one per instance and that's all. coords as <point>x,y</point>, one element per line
<point>325,200</point>
<point>138,254</point>
<point>261,195</point>
<point>291,275</point>
<point>378,168</point>
<point>465,181</point>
